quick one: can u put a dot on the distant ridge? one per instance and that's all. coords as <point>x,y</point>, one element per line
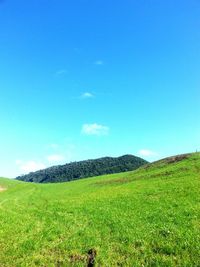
<point>83,169</point>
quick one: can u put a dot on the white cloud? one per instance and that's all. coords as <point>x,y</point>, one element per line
<point>99,62</point>
<point>61,72</point>
<point>30,166</point>
<point>18,162</point>
<point>95,129</point>
<point>146,153</point>
<point>54,146</point>
<point>55,158</point>
<point>87,95</point>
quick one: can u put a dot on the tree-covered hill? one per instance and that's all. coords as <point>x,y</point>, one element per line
<point>83,169</point>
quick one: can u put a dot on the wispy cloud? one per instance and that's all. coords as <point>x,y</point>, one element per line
<point>30,166</point>
<point>61,72</point>
<point>54,146</point>
<point>55,158</point>
<point>98,62</point>
<point>146,153</point>
<point>95,129</point>
<point>87,95</point>
<point>18,161</point>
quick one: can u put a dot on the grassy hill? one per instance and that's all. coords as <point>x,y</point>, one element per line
<point>148,217</point>
<point>84,169</point>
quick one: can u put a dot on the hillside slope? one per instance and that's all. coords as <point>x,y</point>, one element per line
<point>148,217</point>
<point>84,169</point>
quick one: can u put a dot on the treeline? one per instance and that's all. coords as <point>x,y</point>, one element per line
<point>83,169</point>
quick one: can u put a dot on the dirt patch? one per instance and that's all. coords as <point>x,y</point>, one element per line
<point>119,181</point>
<point>172,159</point>
<point>2,189</point>
<point>91,257</point>
<point>176,158</point>
<point>78,258</point>
<point>161,174</point>
<point>114,181</point>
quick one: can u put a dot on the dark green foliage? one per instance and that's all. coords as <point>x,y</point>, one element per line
<point>83,169</point>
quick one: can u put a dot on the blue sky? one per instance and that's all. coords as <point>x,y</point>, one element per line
<point>84,79</point>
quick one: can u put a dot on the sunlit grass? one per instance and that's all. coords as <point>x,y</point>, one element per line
<point>150,217</point>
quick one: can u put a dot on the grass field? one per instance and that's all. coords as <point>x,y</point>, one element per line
<point>149,217</point>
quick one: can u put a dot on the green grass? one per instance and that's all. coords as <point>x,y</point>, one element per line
<point>149,217</point>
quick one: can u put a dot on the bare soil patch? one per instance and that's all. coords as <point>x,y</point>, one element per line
<point>173,159</point>
<point>2,189</point>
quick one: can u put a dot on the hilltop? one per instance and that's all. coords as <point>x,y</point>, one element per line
<point>147,217</point>
<point>83,169</point>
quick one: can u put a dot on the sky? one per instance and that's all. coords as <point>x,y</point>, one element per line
<point>84,79</point>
